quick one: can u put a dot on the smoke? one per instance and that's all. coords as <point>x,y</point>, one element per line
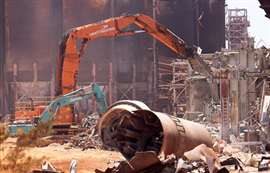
<point>99,4</point>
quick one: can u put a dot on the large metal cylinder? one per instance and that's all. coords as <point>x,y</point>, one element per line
<point>130,127</point>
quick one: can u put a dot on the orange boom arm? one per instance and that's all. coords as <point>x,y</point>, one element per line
<point>69,59</point>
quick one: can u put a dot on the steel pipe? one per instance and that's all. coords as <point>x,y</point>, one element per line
<point>130,127</point>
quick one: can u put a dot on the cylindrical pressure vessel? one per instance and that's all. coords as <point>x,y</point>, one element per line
<point>130,127</point>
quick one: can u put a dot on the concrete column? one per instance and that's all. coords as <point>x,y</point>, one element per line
<point>35,72</point>
<point>251,84</point>
<point>15,72</point>
<point>235,112</point>
<point>243,84</point>
<point>224,98</point>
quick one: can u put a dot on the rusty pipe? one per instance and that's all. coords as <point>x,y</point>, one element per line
<point>130,127</point>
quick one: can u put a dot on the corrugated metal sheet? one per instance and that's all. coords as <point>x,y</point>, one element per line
<point>265,4</point>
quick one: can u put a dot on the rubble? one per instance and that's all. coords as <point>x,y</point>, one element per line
<point>222,157</point>
<point>86,140</point>
<point>201,159</point>
<point>143,162</point>
<point>205,154</point>
<point>232,161</point>
<point>149,162</point>
<point>47,167</point>
<point>90,121</point>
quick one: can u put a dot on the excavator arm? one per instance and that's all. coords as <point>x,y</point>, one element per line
<point>74,97</point>
<point>69,58</point>
<point>68,99</point>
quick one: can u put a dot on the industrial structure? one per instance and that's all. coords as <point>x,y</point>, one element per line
<point>165,86</point>
<point>29,70</point>
<point>32,67</point>
<point>237,29</point>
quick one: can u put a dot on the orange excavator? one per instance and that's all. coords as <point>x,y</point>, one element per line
<point>70,53</point>
<point>69,59</point>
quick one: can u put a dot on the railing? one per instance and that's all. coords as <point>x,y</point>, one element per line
<point>23,104</point>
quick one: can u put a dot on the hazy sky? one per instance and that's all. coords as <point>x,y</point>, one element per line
<point>259,24</point>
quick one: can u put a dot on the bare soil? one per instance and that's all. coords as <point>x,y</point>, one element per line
<point>61,155</point>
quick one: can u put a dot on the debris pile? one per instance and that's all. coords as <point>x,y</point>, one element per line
<point>128,127</point>
<point>47,167</point>
<point>151,163</point>
<point>201,159</point>
<point>86,140</point>
<point>90,121</point>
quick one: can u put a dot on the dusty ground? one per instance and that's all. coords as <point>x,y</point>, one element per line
<point>61,155</point>
<point>89,160</point>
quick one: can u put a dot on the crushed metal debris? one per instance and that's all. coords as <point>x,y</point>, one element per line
<point>201,159</point>
<point>88,138</point>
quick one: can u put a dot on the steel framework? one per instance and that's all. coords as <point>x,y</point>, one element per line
<point>237,29</point>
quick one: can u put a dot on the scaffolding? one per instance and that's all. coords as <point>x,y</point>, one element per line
<point>237,29</point>
<point>177,88</point>
<point>164,79</point>
<point>171,85</point>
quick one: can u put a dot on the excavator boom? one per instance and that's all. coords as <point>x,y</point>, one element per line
<point>69,58</point>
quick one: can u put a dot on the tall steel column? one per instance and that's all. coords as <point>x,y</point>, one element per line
<point>113,62</point>
<point>155,58</point>
<point>3,89</point>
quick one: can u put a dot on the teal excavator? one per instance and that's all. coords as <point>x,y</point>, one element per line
<point>94,90</point>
